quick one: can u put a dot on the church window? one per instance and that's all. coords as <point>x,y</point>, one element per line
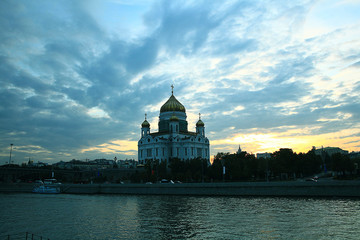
<point>192,151</point>
<point>185,151</point>
<point>157,151</point>
<point>148,139</point>
<point>149,152</point>
<point>141,153</point>
<point>171,151</point>
<point>177,128</point>
<point>199,152</point>
<point>177,152</point>
<point>163,151</point>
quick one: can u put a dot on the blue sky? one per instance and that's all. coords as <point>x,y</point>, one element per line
<point>77,77</point>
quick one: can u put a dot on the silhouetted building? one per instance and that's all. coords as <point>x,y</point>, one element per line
<point>353,155</point>
<point>265,155</point>
<point>239,150</point>
<point>329,150</point>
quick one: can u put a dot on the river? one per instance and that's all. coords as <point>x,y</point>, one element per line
<point>67,216</point>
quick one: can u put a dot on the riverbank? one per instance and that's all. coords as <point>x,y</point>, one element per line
<point>292,189</point>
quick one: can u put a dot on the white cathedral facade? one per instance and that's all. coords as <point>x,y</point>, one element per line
<point>173,140</point>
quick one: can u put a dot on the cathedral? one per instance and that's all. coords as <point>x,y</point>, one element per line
<point>173,140</point>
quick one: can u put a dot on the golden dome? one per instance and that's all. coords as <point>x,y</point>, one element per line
<point>174,118</point>
<point>172,105</point>
<point>200,123</point>
<point>145,124</point>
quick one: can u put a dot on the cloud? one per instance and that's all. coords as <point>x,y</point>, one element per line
<point>75,82</point>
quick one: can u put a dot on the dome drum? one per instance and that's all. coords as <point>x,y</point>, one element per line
<point>174,118</point>
<point>164,126</point>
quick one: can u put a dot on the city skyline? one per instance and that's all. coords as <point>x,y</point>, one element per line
<point>77,77</point>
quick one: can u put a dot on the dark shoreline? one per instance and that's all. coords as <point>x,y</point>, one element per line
<point>271,189</point>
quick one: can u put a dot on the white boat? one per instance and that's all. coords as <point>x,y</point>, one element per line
<point>48,186</point>
<point>46,189</point>
<point>51,182</point>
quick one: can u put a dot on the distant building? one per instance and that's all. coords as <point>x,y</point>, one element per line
<point>329,150</point>
<point>239,150</point>
<point>36,164</point>
<point>127,163</point>
<point>265,155</point>
<point>353,155</point>
<point>86,165</point>
<point>173,140</point>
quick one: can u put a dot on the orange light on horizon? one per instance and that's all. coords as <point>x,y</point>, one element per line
<point>300,140</point>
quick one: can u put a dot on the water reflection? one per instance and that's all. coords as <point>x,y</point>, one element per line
<point>178,217</point>
<point>168,217</point>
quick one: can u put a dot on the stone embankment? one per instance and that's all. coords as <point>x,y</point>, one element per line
<point>291,189</point>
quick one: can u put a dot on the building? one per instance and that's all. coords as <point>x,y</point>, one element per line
<point>329,150</point>
<point>265,155</point>
<point>354,155</point>
<point>86,165</point>
<point>239,150</point>
<point>173,140</point>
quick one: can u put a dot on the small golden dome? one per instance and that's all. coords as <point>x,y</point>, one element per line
<point>174,118</point>
<point>200,123</point>
<point>145,124</point>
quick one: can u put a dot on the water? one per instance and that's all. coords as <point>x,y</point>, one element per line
<point>66,216</point>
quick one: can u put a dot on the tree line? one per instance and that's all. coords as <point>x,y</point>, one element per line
<point>283,164</point>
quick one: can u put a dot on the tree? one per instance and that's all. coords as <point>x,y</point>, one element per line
<point>342,163</point>
<point>162,170</point>
<point>283,162</point>
<point>215,170</point>
<point>177,167</point>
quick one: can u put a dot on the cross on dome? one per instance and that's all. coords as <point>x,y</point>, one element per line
<point>145,124</point>
<point>172,104</point>
<point>199,122</point>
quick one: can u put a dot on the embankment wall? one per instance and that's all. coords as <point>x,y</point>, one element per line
<point>292,189</point>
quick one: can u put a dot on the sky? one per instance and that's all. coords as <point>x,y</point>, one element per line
<point>77,77</point>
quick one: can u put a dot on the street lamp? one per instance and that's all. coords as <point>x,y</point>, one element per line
<point>10,153</point>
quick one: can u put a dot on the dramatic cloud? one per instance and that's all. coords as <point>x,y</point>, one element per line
<point>77,78</point>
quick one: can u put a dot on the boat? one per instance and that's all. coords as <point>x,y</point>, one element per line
<point>48,186</point>
<point>51,182</point>
<point>46,189</point>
